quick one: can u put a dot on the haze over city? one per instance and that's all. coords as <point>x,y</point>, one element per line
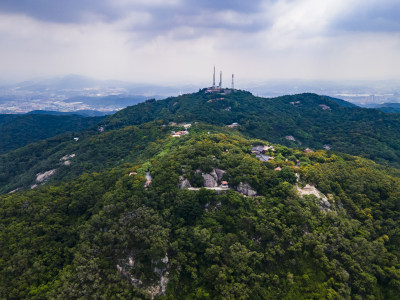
<point>178,42</point>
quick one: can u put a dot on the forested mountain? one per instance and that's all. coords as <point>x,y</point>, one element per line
<point>127,210</point>
<point>84,113</point>
<point>332,232</point>
<point>306,120</point>
<point>20,130</point>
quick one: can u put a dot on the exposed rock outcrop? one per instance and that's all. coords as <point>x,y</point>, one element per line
<point>14,191</point>
<point>67,157</point>
<point>41,177</point>
<point>209,181</point>
<point>290,138</point>
<point>312,190</point>
<point>246,189</point>
<point>214,175</point>
<point>184,183</point>
<point>127,266</point>
<point>220,173</point>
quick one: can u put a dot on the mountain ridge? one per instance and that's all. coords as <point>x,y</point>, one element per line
<point>301,121</point>
<point>315,121</point>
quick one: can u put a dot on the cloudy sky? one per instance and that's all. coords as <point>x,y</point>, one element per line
<point>179,41</point>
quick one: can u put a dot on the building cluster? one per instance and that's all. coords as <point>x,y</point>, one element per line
<point>260,152</point>
<point>181,132</point>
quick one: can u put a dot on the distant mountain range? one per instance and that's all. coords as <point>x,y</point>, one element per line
<point>76,93</point>
<point>85,113</point>
<point>104,102</point>
<point>77,83</point>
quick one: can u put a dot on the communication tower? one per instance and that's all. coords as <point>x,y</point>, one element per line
<point>214,79</point>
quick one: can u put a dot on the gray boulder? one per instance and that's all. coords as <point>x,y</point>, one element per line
<point>246,189</point>
<point>220,173</point>
<point>214,175</point>
<point>209,181</point>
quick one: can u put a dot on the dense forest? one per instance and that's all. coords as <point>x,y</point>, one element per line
<point>306,120</point>
<point>20,130</point>
<point>124,210</point>
<point>108,235</point>
<point>72,155</point>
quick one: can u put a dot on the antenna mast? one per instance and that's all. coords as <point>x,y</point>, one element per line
<point>214,79</point>
<point>220,79</point>
<point>233,85</point>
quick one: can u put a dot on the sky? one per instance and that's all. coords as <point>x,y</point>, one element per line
<point>179,41</point>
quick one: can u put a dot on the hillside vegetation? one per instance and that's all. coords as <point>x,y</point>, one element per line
<point>305,120</point>
<point>313,121</point>
<point>20,130</point>
<point>389,107</point>
<point>128,210</point>
<point>105,235</point>
<point>72,155</point>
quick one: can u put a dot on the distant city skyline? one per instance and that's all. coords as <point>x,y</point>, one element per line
<point>180,41</point>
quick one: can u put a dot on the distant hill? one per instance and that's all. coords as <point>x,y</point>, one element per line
<point>113,101</point>
<point>85,113</point>
<point>73,85</point>
<point>389,107</point>
<point>20,130</point>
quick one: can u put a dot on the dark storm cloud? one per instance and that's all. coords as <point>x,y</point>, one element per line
<point>200,15</point>
<point>71,11</point>
<point>376,16</point>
